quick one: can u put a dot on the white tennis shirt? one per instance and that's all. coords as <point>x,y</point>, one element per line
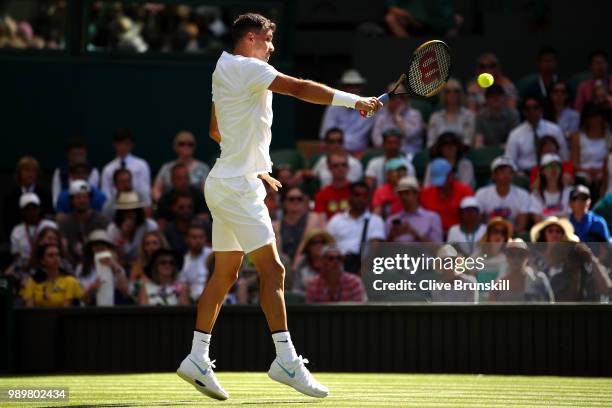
<point>243,107</point>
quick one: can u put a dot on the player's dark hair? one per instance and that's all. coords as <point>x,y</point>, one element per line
<point>359,184</point>
<point>334,130</point>
<point>250,22</point>
<point>75,143</point>
<point>119,172</point>
<point>598,53</point>
<point>546,50</point>
<point>123,135</point>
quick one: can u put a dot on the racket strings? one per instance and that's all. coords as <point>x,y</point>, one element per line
<point>429,69</point>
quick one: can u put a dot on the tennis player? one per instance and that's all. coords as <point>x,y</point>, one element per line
<point>241,120</point>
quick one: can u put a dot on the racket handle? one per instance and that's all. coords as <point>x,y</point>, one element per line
<point>384,98</point>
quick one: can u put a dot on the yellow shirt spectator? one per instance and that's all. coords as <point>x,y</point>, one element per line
<point>59,293</point>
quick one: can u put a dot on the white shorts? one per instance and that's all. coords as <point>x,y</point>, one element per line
<point>241,221</point>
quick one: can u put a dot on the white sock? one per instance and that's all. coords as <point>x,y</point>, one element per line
<point>284,347</point>
<point>200,345</point>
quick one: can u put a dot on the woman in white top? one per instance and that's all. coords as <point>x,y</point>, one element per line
<point>551,197</point>
<point>590,148</point>
<point>454,117</point>
<point>184,145</point>
<point>163,288</point>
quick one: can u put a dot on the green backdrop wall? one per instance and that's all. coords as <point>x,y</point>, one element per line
<point>47,100</point>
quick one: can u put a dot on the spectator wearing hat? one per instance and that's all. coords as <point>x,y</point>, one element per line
<point>123,143</point>
<point>522,142</point>
<point>163,288</point>
<point>24,234</point>
<point>179,174</point>
<point>526,285</point>
<point>100,251</point>
<point>490,249</point>
<point>334,141</point>
<point>76,152</point>
<point>184,146</point>
<point>599,65</point>
<point>308,262</point>
<point>333,199</point>
<point>354,228</point>
<point>470,228</point>
<point>589,226</point>
<point>495,120</point>
<point>450,147</point>
<point>449,274</point>
<point>413,223</point>
<point>445,193</point>
<point>194,273</point>
<point>398,115</point>
<point>453,117</point>
<point>548,145</point>
<point>51,285</point>
<point>129,226</point>
<point>551,197</point>
<point>26,177</point>
<point>589,149</point>
<point>79,171</point>
<point>557,109</point>
<point>385,201</point>
<point>375,172</point>
<point>503,199</point>
<point>122,180</point>
<point>333,284</point>
<point>356,130</point>
<point>552,231</point>
<point>83,219</point>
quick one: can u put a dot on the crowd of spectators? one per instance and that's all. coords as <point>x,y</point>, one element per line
<point>121,236</point>
<point>45,28</point>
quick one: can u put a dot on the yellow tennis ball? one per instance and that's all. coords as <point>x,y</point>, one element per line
<point>485,80</point>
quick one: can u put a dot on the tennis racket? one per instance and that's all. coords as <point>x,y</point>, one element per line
<point>428,71</point>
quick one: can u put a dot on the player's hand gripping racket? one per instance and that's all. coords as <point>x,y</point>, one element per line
<point>428,71</point>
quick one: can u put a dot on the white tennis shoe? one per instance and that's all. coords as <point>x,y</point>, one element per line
<point>200,374</point>
<point>296,375</point>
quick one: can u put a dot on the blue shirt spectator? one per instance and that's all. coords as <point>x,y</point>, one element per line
<point>98,198</point>
<point>589,226</point>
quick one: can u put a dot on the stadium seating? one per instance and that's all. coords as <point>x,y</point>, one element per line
<point>481,160</point>
<point>289,157</point>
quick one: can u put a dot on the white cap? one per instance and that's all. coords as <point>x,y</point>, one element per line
<point>502,161</point>
<point>469,202</point>
<point>352,77</point>
<point>79,186</point>
<point>550,158</point>
<point>28,198</point>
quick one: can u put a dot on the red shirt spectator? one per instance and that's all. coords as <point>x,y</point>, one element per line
<point>386,198</point>
<point>334,198</point>
<point>445,194</point>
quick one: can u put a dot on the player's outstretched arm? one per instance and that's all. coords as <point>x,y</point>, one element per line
<point>213,130</point>
<point>315,92</point>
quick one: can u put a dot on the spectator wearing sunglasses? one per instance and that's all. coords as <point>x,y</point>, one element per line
<point>523,140</point>
<point>184,145</point>
<point>333,284</point>
<point>163,288</point>
<point>453,117</point>
<point>526,285</point>
<point>296,222</point>
<point>489,63</point>
<point>334,141</point>
<point>557,109</point>
<point>334,198</point>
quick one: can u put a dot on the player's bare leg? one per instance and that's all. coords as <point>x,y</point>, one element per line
<point>287,368</point>
<point>227,264</point>
<point>196,368</point>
